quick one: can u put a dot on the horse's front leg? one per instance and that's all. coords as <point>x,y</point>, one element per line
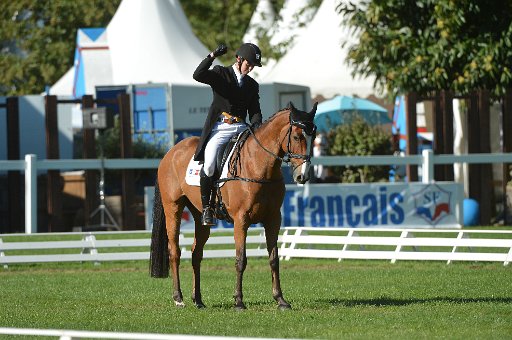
<point>240,234</point>
<point>202,233</point>
<point>271,234</point>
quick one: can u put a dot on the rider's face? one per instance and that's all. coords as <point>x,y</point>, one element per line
<point>245,67</point>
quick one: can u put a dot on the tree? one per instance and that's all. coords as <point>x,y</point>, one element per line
<point>37,39</point>
<point>426,45</point>
<point>226,21</point>
<point>358,138</point>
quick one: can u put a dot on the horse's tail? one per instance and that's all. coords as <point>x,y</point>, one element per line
<point>159,254</point>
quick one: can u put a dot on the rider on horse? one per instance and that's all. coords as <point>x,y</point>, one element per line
<point>235,94</point>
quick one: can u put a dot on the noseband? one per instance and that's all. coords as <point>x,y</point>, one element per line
<point>309,130</point>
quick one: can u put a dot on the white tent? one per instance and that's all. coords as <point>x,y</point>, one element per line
<point>294,18</point>
<point>317,59</point>
<point>291,22</point>
<point>64,86</point>
<point>150,42</point>
<point>146,41</point>
<point>262,20</point>
<point>91,66</point>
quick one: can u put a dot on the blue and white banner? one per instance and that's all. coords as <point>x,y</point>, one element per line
<point>383,205</point>
<point>392,205</point>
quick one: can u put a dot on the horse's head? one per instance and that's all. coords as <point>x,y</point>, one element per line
<point>298,146</point>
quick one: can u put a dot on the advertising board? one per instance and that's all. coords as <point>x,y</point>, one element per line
<point>369,205</point>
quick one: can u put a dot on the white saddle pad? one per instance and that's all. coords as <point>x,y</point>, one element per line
<point>194,169</point>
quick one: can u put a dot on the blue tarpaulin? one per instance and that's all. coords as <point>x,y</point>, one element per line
<point>337,110</point>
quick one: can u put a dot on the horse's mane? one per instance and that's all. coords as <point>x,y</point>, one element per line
<point>271,118</point>
<point>235,160</point>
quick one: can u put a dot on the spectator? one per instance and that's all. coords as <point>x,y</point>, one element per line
<point>320,149</point>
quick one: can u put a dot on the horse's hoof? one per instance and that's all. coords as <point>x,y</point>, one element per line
<point>200,305</point>
<point>179,304</point>
<point>284,306</point>
<point>240,307</point>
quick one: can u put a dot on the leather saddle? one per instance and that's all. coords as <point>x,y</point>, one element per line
<point>222,157</point>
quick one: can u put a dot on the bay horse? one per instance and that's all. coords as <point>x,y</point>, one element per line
<point>253,192</point>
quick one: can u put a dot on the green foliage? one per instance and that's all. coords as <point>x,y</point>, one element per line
<point>227,21</point>
<point>37,39</point>
<point>215,22</point>
<point>142,148</point>
<point>358,138</point>
<point>426,45</point>
<point>264,36</point>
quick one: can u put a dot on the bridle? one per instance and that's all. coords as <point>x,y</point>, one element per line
<point>309,131</point>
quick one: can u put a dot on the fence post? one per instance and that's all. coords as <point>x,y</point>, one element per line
<point>486,180</point>
<point>403,234</point>
<point>54,180</point>
<point>412,135</point>
<point>474,170</point>
<point>91,200</point>
<point>438,129</point>
<point>13,153</point>
<point>427,168</point>
<point>506,121</point>
<point>447,107</point>
<point>30,194</point>
<point>127,175</point>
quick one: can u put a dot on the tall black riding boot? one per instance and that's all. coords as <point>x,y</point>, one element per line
<point>206,182</point>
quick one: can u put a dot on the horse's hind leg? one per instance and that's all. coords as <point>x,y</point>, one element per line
<point>271,234</point>
<point>201,236</point>
<point>173,213</point>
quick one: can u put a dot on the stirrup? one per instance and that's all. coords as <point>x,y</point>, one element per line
<point>207,218</point>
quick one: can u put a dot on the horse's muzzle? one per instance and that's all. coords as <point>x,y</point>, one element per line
<point>301,173</point>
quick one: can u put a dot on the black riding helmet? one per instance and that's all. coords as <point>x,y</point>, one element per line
<point>251,53</point>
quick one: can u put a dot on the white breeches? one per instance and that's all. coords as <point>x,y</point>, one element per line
<point>220,135</point>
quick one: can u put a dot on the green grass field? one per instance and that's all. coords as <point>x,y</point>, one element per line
<point>330,299</point>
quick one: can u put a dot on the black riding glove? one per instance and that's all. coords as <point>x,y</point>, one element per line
<point>220,50</point>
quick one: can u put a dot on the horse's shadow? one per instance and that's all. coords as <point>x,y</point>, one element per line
<point>385,301</point>
<point>250,304</point>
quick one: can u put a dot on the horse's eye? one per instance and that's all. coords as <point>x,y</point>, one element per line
<point>296,138</point>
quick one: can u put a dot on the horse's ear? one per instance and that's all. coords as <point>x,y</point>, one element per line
<point>313,110</point>
<point>290,105</point>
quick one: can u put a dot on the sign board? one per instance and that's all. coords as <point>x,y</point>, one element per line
<point>96,118</point>
<point>371,205</point>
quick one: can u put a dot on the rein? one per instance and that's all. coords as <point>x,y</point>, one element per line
<point>286,158</point>
<point>238,160</point>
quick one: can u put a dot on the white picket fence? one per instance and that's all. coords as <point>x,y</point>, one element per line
<point>294,242</point>
<point>71,334</point>
<point>398,244</point>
